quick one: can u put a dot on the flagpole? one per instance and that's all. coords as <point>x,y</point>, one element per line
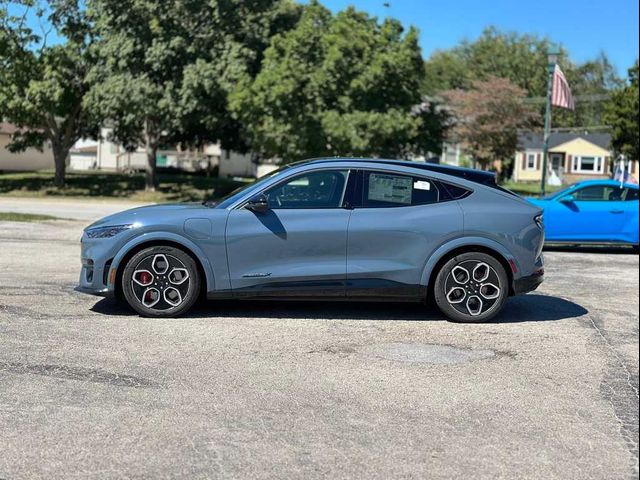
<point>552,56</point>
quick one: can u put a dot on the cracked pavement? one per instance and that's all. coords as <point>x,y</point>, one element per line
<point>314,390</point>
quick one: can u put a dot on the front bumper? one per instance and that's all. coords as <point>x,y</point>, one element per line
<point>97,255</point>
<point>105,292</point>
<point>528,283</point>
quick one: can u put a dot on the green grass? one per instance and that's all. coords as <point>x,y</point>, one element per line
<point>528,189</point>
<point>25,217</point>
<point>174,187</point>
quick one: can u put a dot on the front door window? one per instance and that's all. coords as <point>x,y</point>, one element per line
<point>321,189</point>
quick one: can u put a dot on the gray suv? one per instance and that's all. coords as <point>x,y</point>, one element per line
<point>339,228</point>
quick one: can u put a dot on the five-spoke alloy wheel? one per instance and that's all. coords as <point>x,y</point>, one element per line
<point>471,287</point>
<point>161,282</point>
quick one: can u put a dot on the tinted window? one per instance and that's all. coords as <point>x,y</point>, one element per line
<point>598,193</point>
<point>631,194</point>
<point>322,189</point>
<point>456,192</point>
<point>382,189</point>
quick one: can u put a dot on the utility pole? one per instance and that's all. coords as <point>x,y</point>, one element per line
<point>552,55</point>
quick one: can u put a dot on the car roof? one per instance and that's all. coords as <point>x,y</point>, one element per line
<point>477,176</point>
<point>604,181</point>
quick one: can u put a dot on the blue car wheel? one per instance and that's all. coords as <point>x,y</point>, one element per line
<point>471,287</point>
<point>161,282</point>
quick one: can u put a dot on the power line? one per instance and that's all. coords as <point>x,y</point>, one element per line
<point>596,97</point>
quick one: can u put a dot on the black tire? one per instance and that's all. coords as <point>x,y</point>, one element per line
<point>471,296</point>
<point>160,294</point>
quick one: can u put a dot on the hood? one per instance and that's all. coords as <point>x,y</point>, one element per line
<point>150,213</point>
<point>538,202</point>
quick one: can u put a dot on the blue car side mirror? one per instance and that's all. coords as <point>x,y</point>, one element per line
<point>568,199</point>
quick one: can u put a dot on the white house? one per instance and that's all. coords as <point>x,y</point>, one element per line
<point>29,160</point>
<point>107,155</point>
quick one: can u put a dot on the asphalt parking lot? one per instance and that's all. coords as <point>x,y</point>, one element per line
<point>314,390</point>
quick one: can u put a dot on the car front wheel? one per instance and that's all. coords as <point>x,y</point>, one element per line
<point>161,281</point>
<point>471,287</point>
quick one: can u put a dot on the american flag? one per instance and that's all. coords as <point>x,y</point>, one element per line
<point>561,93</point>
<point>623,175</point>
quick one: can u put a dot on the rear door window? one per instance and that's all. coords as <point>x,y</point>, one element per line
<point>385,189</point>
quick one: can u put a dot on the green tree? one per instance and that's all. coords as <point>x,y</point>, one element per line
<point>165,67</point>
<point>622,113</point>
<point>42,85</point>
<point>339,85</point>
<point>489,115</point>
<point>522,59</point>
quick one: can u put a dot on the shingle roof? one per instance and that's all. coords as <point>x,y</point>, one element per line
<point>533,140</point>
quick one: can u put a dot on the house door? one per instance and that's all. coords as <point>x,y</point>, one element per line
<point>557,163</point>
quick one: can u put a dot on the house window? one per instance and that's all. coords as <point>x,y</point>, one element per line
<point>588,164</point>
<point>531,161</point>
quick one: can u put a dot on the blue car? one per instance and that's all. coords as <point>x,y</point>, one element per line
<point>592,212</point>
<point>345,229</point>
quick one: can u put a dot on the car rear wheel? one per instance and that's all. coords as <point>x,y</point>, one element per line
<point>161,281</point>
<point>471,287</point>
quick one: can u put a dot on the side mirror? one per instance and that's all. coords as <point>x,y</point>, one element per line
<point>258,204</point>
<point>568,199</point>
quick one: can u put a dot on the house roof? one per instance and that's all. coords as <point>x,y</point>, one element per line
<point>533,140</point>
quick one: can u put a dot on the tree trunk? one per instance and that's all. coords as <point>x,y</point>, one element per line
<point>60,160</point>
<point>150,177</point>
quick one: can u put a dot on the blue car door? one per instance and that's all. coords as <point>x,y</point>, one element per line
<point>298,245</point>
<point>395,226</point>
<point>593,213</point>
<point>630,212</point>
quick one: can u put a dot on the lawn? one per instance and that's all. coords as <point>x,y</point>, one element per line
<point>528,189</point>
<point>174,187</point>
<point>25,217</point>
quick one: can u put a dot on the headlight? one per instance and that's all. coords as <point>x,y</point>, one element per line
<point>106,232</point>
<point>539,221</point>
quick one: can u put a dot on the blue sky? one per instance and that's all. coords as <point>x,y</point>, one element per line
<point>583,27</point>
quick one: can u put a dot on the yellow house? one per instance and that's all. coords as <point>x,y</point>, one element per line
<point>572,157</point>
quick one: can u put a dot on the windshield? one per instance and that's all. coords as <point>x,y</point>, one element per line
<point>230,198</point>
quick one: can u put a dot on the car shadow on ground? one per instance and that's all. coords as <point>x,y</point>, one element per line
<point>608,249</point>
<point>525,308</point>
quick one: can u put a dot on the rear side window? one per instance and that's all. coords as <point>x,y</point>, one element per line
<point>383,189</point>
<point>455,192</point>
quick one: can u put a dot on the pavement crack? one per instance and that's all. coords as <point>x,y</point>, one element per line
<point>615,354</point>
<point>67,372</point>
<point>618,389</point>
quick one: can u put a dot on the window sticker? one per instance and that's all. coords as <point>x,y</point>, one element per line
<point>422,185</point>
<point>390,188</point>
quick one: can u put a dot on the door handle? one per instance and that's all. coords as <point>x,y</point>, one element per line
<point>616,211</point>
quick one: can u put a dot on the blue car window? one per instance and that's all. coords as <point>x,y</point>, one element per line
<point>631,194</point>
<point>598,193</point>
<point>322,189</point>
<point>387,189</point>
